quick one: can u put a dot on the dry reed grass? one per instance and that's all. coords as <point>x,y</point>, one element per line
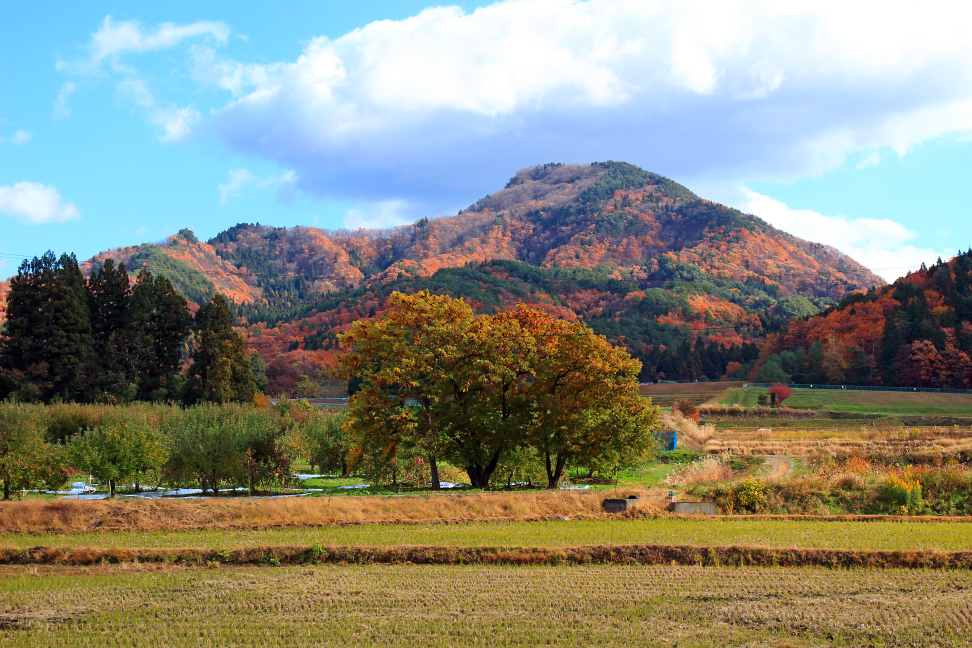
<point>707,469</point>
<point>689,432</point>
<point>37,516</point>
<point>865,441</point>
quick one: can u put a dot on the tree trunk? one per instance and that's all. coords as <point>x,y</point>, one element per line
<point>111,487</point>
<point>479,475</point>
<point>6,489</point>
<point>434,469</point>
<point>554,471</point>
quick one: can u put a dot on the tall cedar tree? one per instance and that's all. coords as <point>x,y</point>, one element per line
<point>110,369</point>
<point>48,335</point>
<point>161,323</point>
<point>220,370</point>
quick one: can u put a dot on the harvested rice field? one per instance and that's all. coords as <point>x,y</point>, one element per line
<point>876,535</point>
<point>407,605</point>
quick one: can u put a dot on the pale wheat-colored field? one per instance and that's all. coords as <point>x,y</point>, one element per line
<point>409,605</point>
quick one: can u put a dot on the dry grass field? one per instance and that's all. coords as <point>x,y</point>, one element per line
<point>67,515</point>
<point>862,440</point>
<point>409,605</point>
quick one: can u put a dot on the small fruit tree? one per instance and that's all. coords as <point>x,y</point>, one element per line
<point>780,393</point>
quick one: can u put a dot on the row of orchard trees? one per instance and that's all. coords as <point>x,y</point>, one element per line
<point>439,382</point>
<point>211,446</point>
<point>74,339</point>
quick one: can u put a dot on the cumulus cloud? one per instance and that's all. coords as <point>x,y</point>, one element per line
<point>879,244</point>
<point>445,104</point>
<point>34,203</point>
<point>237,179</point>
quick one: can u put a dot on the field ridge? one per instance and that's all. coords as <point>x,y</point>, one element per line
<point>702,556</point>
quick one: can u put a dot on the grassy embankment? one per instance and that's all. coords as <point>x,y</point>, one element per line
<point>846,400</point>
<point>876,535</point>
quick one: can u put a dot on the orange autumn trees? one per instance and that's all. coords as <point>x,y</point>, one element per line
<point>449,385</point>
<point>914,333</point>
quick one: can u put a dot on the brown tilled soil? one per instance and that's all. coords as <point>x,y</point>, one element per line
<point>37,516</point>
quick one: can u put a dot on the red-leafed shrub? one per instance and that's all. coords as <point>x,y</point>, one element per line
<point>781,391</point>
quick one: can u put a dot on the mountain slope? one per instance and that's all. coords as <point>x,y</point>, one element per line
<point>642,258</point>
<point>915,332</point>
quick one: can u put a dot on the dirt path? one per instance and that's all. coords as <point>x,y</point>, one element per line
<point>779,467</point>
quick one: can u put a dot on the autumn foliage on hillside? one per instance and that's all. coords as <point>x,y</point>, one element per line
<point>916,332</point>
<point>648,263</point>
<point>4,290</point>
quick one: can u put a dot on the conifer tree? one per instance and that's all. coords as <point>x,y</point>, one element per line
<point>161,323</point>
<point>221,370</point>
<point>110,369</point>
<point>48,334</point>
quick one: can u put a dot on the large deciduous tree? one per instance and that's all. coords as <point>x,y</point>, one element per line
<point>582,385</point>
<point>469,389</point>
<point>408,359</point>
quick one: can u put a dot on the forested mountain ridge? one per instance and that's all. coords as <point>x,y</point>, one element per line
<point>646,261</point>
<point>915,332</point>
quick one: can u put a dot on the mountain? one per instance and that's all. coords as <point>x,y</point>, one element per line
<point>641,258</point>
<point>915,332</point>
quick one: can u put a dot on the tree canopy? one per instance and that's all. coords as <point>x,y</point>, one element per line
<point>453,386</point>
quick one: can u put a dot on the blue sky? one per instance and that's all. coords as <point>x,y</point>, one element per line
<point>122,123</point>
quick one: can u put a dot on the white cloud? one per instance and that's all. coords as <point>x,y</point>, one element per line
<point>112,42</point>
<point>881,245</point>
<point>379,215</point>
<point>175,123</point>
<point>730,90</point>
<point>870,160</point>
<point>237,179</point>
<point>34,203</point>
<point>61,108</point>
<point>113,39</point>
<point>21,137</point>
